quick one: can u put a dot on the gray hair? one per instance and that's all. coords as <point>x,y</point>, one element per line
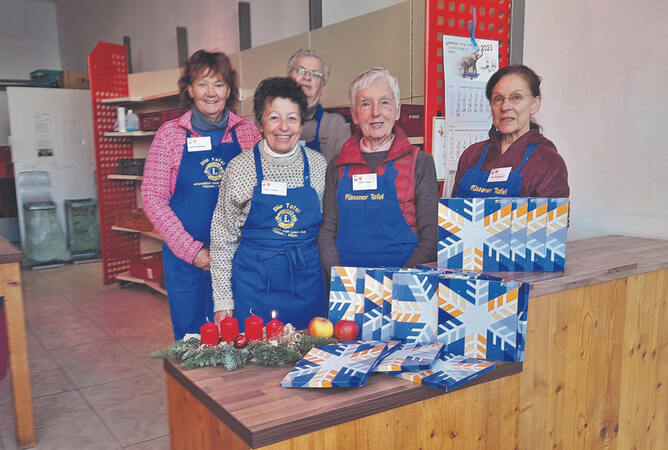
<point>292,62</point>
<point>369,77</point>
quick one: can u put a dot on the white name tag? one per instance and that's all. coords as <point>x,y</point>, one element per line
<point>274,188</point>
<point>364,182</point>
<point>199,144</point>
<point>499,174</point>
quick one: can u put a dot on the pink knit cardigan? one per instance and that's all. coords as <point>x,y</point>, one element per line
<point>161,171</point>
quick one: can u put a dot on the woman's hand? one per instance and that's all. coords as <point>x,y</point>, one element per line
<point>220,315</point>
<point>203,259</point>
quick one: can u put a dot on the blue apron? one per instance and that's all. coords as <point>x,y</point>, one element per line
<point>277,265</point>
<point>315,143</point>
<point>372,229</point>
<point>195,196</point>
<point>512,187</point>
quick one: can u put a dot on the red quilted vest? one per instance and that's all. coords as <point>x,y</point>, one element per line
<point>404,156</point>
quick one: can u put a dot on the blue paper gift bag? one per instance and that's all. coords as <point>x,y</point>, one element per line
<point>518,234</point>
<point>376,318</point>
<point>482,317</point>
<point>474,233</point>
<point>346,294</point>
<point>536,234</point>
<point>556,230</point>
<point>415,306</point>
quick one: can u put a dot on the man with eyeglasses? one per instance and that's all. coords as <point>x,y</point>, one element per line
<point>323,131</point>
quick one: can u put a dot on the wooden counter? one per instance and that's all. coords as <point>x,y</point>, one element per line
<point>10,290</point>
<point>595,375</point>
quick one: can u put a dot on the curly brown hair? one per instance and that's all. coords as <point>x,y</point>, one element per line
<point>201,63</point>
<point>278,87</point>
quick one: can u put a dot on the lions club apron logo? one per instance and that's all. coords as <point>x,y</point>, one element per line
<point>214,170</point>
<point>286,215</point>
<point>286,218</point>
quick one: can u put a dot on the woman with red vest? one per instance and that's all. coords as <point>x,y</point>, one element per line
<point>381,195</point>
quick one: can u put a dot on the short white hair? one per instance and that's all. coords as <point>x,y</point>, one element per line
<point>303,52</point>
<point>369,77</point>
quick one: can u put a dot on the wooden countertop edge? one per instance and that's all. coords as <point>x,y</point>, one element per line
<point>266,435</point>
<point>277,433</point>
<point>9,253</point>
<point>229,420</point>
<point>573,281</point>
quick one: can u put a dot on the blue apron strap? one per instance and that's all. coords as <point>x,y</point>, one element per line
<point>318,115</point>
<point>346,169</point>
<point>389,165</point>
<point>482,158</point>
<point>258,164</point>
<point>527,155</point>
<point>234,136</point>
<point>307,170</point>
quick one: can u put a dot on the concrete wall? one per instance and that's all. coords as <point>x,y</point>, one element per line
<point>28,41</point>
<point>604,65</point>
<point>151,25</point>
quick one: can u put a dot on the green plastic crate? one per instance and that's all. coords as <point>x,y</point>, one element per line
<point>83,227</point>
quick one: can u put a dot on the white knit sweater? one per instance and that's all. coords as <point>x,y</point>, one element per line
<point>234,202</point>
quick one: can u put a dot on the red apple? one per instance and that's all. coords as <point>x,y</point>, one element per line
<point>346,329</point>
<point>320,327</point>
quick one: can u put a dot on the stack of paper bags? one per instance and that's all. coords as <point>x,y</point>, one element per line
<point>503,234</point>
<point>431,365</point>
<point>350,365</point>
<point>449,372</point>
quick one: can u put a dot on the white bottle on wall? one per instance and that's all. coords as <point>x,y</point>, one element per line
<point>120,119</point>
<point>132,121</point>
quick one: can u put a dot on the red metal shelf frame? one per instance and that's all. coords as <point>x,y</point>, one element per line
<point>108,73</point>
<point>449,17</point>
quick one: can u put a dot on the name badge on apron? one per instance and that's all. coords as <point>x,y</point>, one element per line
<point>199,144</point>
<point>364,182</point>
<point>499,174</point>
<point>274,188</point>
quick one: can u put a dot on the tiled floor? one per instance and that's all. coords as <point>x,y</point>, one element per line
<point>93,384</point>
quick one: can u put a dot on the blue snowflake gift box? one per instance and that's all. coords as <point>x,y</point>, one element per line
<point>483,317</point>
<point>343,365</point>
<point>410,356</point>
<point>449,372</point>
<point>415,306</point>
<point>346,294</point>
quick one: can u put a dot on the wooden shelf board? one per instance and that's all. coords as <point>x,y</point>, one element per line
<point>138,99</point>
<point>115,176</point>
<point>417,140</point>
<point>111,134</point>
<point>151,234</point>
<point>125,276</point>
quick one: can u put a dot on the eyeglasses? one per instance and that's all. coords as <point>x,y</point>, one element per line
<point>303,71</point>
<point>514,99</point>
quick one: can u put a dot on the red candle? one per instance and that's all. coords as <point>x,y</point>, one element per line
<point>229,329</point>
<point>209,334</point>
<point>253,327</point>
<point>274,327</point>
